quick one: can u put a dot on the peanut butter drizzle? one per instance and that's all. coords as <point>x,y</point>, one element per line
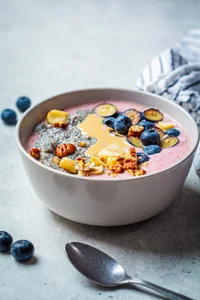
<point>93,127</point>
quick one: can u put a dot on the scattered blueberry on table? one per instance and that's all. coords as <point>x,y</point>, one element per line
<point>22,250</point>
<point>9,116</point>
<point>23,103</point>
<point>5,241</point>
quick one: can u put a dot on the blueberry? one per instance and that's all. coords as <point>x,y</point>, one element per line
<point>122,124</point>
<point>150,137</point>
<point>22,250</point>
<point>172,132</point>
<point>142,157</point>
<point>119,114</point>
<point>23,103</point>
<point>9,116</point>
<point>147,125</point>
<point>109,122</point>
<point>141,116</point>
<point>152,149</point>
<point>5,241</point>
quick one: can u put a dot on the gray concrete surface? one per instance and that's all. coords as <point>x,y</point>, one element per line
<point>49,47</point>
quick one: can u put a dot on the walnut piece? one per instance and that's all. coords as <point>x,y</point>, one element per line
<point>35,153</point>
<point>71,148</point>
<point>132,151</point>
<point>130,165</point>
<point>118,168</point>
<point>113,160</point>
<point>65,149</point>
<point>130,160</point>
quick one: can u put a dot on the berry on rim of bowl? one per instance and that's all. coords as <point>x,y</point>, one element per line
<point>9,116</point>
<point>5,241</point>
<point>22,250</point>
<point>23,103</point>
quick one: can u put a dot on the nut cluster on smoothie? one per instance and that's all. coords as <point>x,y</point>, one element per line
<point>102,140</point>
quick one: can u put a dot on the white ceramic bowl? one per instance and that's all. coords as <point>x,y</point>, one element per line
<point>98,201</point>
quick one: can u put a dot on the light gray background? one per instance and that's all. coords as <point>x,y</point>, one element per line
<point>50,47</point>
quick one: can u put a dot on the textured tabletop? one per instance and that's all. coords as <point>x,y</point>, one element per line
<point>53,46</point>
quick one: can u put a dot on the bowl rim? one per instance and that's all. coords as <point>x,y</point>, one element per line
<point>143,177</point>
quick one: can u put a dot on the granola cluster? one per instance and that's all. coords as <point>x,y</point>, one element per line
<point>126,162</point>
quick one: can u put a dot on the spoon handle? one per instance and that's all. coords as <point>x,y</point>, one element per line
<point>165,292</point>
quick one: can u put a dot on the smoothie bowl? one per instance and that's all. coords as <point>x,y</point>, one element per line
<point>107,157</point>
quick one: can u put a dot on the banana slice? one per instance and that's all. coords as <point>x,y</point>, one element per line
<point>97,161</point>
<point>68,165</point>
<point>165,125</point>
<point>112,161</point>
<point>116,149</point>
<point>98,170</point>
<point>111,150</point>
<point>57,116</point>
<point>105,153</point>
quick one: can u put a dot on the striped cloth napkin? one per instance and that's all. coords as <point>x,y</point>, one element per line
<point>175,74</point>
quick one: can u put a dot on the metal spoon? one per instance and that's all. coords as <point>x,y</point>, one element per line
<point>104,270</point>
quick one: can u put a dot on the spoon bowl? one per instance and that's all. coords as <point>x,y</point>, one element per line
<point>101,269</point>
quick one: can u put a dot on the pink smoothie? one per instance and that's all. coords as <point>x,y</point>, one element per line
<point>158,162</point>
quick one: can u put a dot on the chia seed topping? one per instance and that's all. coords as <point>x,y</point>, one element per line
<point>50,137</point>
